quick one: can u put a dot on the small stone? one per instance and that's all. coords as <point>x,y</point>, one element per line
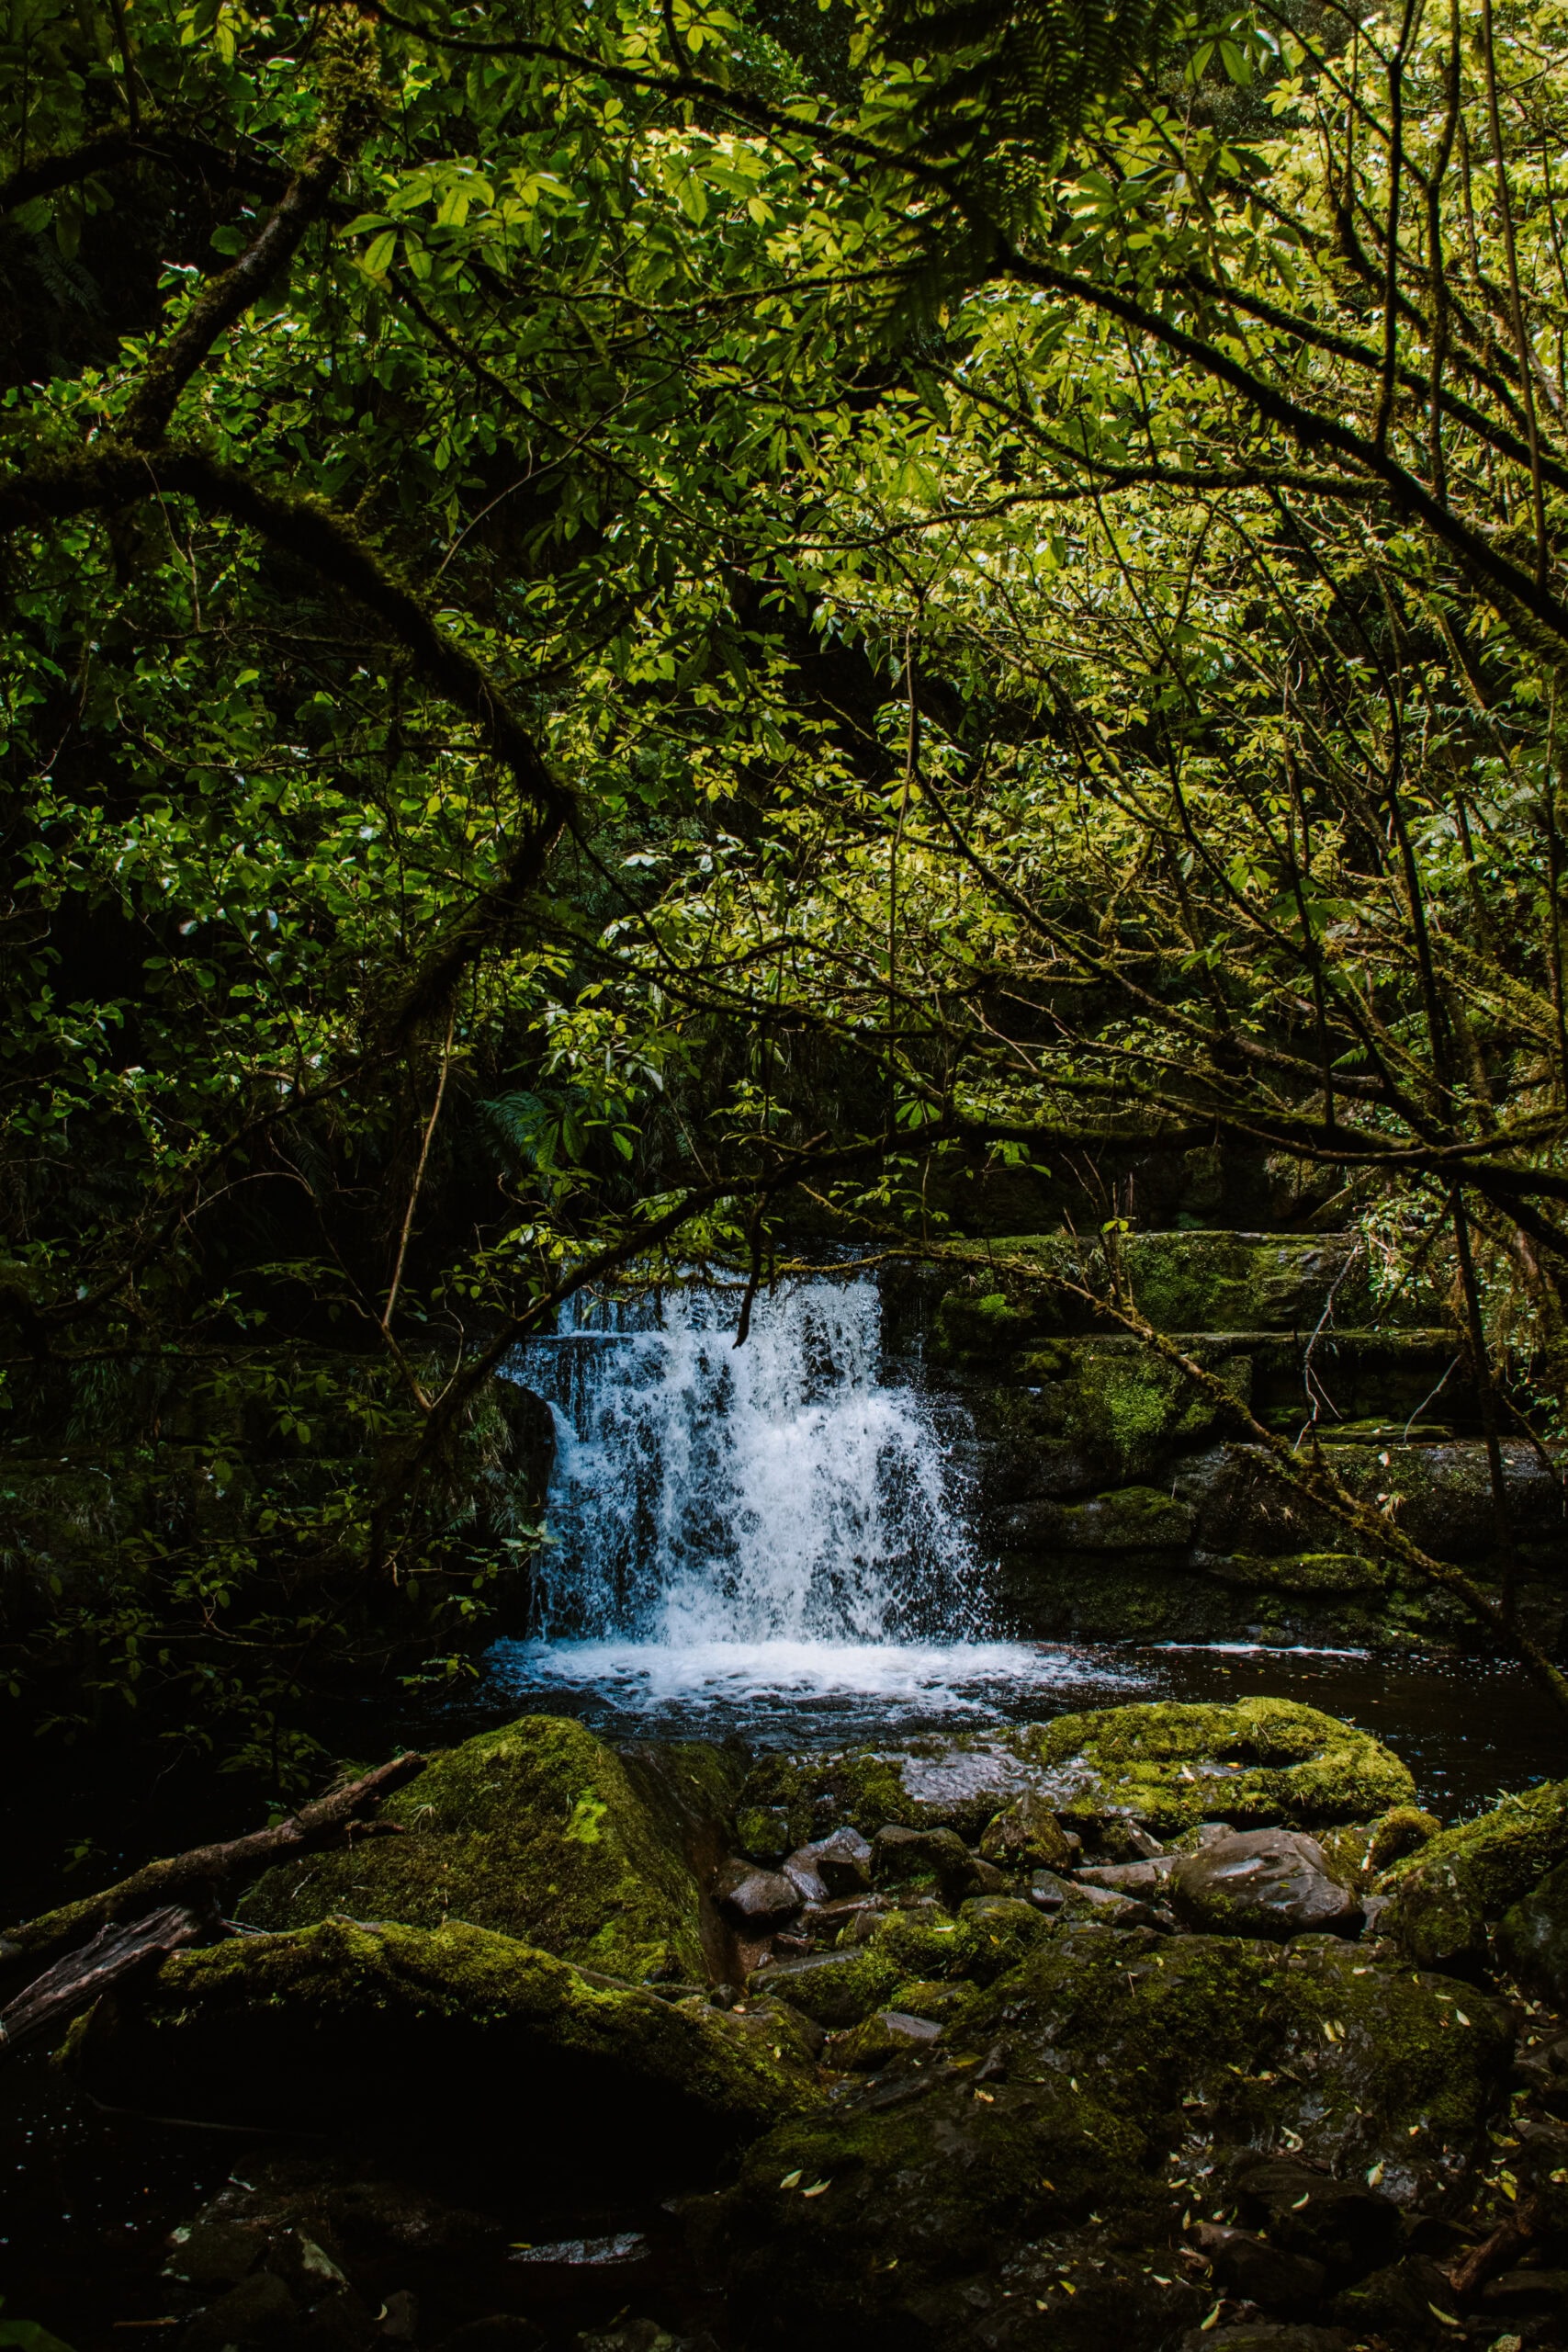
<point>1260,2273</point>
<point>1077,1899</point>
<point>757,1899</point>
<point>1142,1878</point>
<point>800,1869</point>
<point>887,2035</point>
<point>1026,1835</point>
<point>1261,1883</point>
<point>399,2322</point>
<point>842,1861</point>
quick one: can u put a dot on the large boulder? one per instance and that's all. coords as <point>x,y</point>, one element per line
<point>1170,1765</point>
<point>541,1832</point>
<point>1044,2155</point>
<point>1261,1883</point>
<point>1441,1899</point>
<point>341,2028</point>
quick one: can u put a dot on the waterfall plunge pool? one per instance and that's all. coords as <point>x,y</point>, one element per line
<point>777,1541</point>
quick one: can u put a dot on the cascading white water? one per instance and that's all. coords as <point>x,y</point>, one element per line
<point>779,1491</point>
<point>755,1535</point>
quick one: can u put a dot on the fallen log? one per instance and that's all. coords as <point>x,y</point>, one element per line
<point>1511,2238</point>
<point>200,1875</point>
<point>113,1954</point>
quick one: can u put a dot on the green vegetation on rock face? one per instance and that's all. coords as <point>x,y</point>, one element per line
<point>1442,1898</point>
<point>537,1831</point>
<point>1260,1760</point>
<point>1532,1937</point>
<point>341,2024</point>
<point>1101,2056</point>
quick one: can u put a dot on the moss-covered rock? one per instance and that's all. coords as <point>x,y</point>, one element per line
<point>1082,2094</point>
<point>539,1831</point>
<point>341,2027</point>
<point>957,1783</point>
<point>1441,1898</point>
<point>837,1989</point>
<point>1257,1761</point>
<point>1533,1936</point>
<point>1026,1835</point>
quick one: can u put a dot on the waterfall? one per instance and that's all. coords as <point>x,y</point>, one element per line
<point>781,1492</point>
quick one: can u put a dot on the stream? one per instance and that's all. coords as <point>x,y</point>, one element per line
<point>774,1541</point>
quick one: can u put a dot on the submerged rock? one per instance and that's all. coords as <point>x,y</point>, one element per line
<point>1261,1883</point>
<point>1442,1897</point>
<point>1170,1766</point>
<point>341,2027</point>
<point>536,1830</point>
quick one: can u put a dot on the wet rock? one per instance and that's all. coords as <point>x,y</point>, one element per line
<point>1169,1765</point>
<point>1344,2225</point>
<point>1261,1883</point>
<point>954,1783</point>
<point>399,2323</point>
<point>1262,2273</point>
<point>845,1920</point>
<point>539,1831</point>
<point>1532,1936</point>
<point>885,2035</point>
<point>842,1861</point>
<point>1080,1899</point>
<point>1026,1835</point>
<point>1441,1898</point>
<point>346,2026</point>
<point>900,1854</point>
<point>938,2001</point>
<point>810,1886</point>
<point>1518,2294</point>
<point>1401,2302</point>
<point>260,2311</point>
<point>758,1900</point>
<point>1135,1879</point>
<point>836,1988</point>
<point>1067,2089</point>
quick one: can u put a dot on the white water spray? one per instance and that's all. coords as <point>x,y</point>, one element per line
<point>781,1493</point>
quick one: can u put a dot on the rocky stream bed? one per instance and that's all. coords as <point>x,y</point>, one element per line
<point>1160,2026</point>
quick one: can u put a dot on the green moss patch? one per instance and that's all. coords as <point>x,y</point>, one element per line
<point>1097,2084</point>
<point>340,2026</point>
<point>1442,1897</point>
<point>1257,1761</point>
<point>539,1831</point>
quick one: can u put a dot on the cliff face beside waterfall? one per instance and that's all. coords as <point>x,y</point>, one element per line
<point>1115,1505</point>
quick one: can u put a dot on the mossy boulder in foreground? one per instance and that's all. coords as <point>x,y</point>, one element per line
<point>1441,1899</point>
<point>1070,2116</point>
<point>1254,1763</point>
<point>345,2028</point>
<point>539,1831</point>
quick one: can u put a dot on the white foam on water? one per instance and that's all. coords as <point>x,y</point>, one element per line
<point>934,1678</point>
